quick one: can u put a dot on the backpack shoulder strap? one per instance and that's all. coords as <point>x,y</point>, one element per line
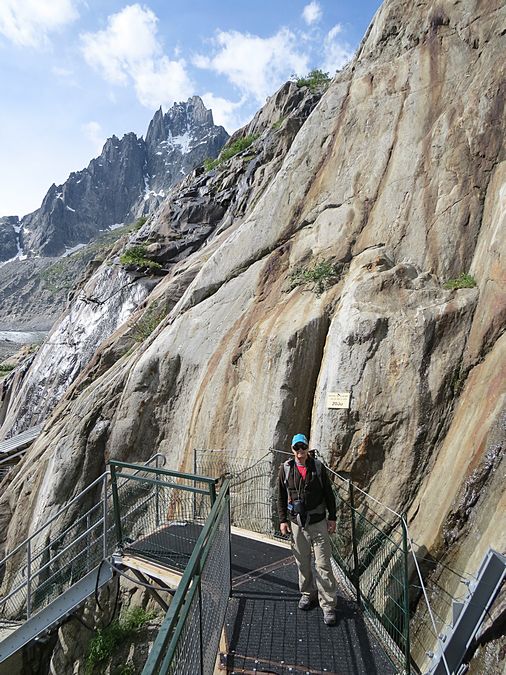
<point>286,467</point>
<point>318,466</point>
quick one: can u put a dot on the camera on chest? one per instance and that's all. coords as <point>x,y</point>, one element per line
<point>297,508</point>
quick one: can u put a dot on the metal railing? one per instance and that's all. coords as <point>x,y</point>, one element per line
<point>45,565</point>
<point>159,513</point>
<point>189,637</point>
<point>371,549</point>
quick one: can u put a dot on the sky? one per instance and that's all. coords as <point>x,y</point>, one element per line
<point>74,72</point>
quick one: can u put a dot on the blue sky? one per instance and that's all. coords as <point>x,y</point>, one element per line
<point>74,72</point>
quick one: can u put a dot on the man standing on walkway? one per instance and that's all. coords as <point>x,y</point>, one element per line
<point>304,498</point>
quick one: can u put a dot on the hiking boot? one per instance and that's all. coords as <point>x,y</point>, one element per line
<point>307,602</point>
<point>329,617</point>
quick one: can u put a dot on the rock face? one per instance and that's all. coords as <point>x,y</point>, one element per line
<point>9,228</point>
<point>393,184</point>
<point>179,141</point>
<point>130,176</point>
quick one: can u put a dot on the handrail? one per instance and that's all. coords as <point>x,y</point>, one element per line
<point>167,472</point>
<point>189,488</point>
<point>4,598</point>
<point>53,518</point>
<point>6,460</point>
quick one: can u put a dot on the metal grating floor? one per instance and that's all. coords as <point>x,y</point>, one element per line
<point>267,633</point>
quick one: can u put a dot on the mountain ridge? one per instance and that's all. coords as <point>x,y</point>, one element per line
<point>129,178</point>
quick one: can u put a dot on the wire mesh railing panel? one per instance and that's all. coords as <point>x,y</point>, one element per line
<point>187,655</point>
<point>382,589</point>
<point>58,554</point>
<point>215,590</point>
<point>159,517</point>
<point>45,566</point>
<point>342,540</point>
<point>444,586</point>
<point>189,637</point>
<point>370,552</point>
<point>252,498</point>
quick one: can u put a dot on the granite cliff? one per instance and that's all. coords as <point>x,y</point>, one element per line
<point>317,261</point>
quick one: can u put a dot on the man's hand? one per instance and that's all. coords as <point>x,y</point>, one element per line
<point>331,526</point>
<point>285,528</point>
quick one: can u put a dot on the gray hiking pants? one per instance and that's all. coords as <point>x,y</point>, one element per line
<point>317,538</point>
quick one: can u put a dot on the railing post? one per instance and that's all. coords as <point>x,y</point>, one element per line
<point>194,497</point>
<point>28,578</point>
<point>212,492</point>
<point>157,496</point>
<point>229,541</point>
<point>88,542</point>
<point>115,499</point>
<point>105,510</point>
<point>201,647</point>
<point>356,574</point>
<point>407,646</point>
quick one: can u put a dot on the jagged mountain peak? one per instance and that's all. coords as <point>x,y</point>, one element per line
<point>128,178</point>
<point>181,119</point>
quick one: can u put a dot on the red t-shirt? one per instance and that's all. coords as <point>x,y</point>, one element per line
<point>302,470</point>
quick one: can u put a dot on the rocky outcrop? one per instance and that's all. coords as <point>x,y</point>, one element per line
<point>179,141</point>
<point>130,177</point>
<point>395,183</point>
<point>27,301</point>
<point>9,227</point>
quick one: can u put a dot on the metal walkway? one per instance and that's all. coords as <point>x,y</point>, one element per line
<point>265,632</point>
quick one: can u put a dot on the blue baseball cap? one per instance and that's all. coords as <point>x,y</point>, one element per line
<point>299,438</point>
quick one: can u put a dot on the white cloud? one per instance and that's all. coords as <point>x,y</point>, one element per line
<point>129,51</point>
<point>312,13</point>
<point>336,53</point>
<point>62,72</point>
<point>93,132</point>
<point>27,23</point>
<point>256,66</point>
<point>228,114</point>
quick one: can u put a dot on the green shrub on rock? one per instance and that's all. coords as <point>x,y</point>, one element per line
<point>107,640</point>
<point>230,151</point>
<point>319,277</point>
<point>462,281</point>
<point>136,257</point>
<point>315,79</point>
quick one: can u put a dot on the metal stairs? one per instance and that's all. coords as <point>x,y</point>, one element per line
<point>55,613</point>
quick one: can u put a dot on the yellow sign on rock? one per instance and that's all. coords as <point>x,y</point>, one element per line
<point>338,399</point>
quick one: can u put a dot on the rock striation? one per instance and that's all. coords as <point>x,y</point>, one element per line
<point>394,182</point>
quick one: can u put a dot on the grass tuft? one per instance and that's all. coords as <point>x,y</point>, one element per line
<point>107,640</point>
<point>230,151</point>
<point>462,281</point>
<point>147,323</point>
<point>136,256</point>
<point>318,277</point>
